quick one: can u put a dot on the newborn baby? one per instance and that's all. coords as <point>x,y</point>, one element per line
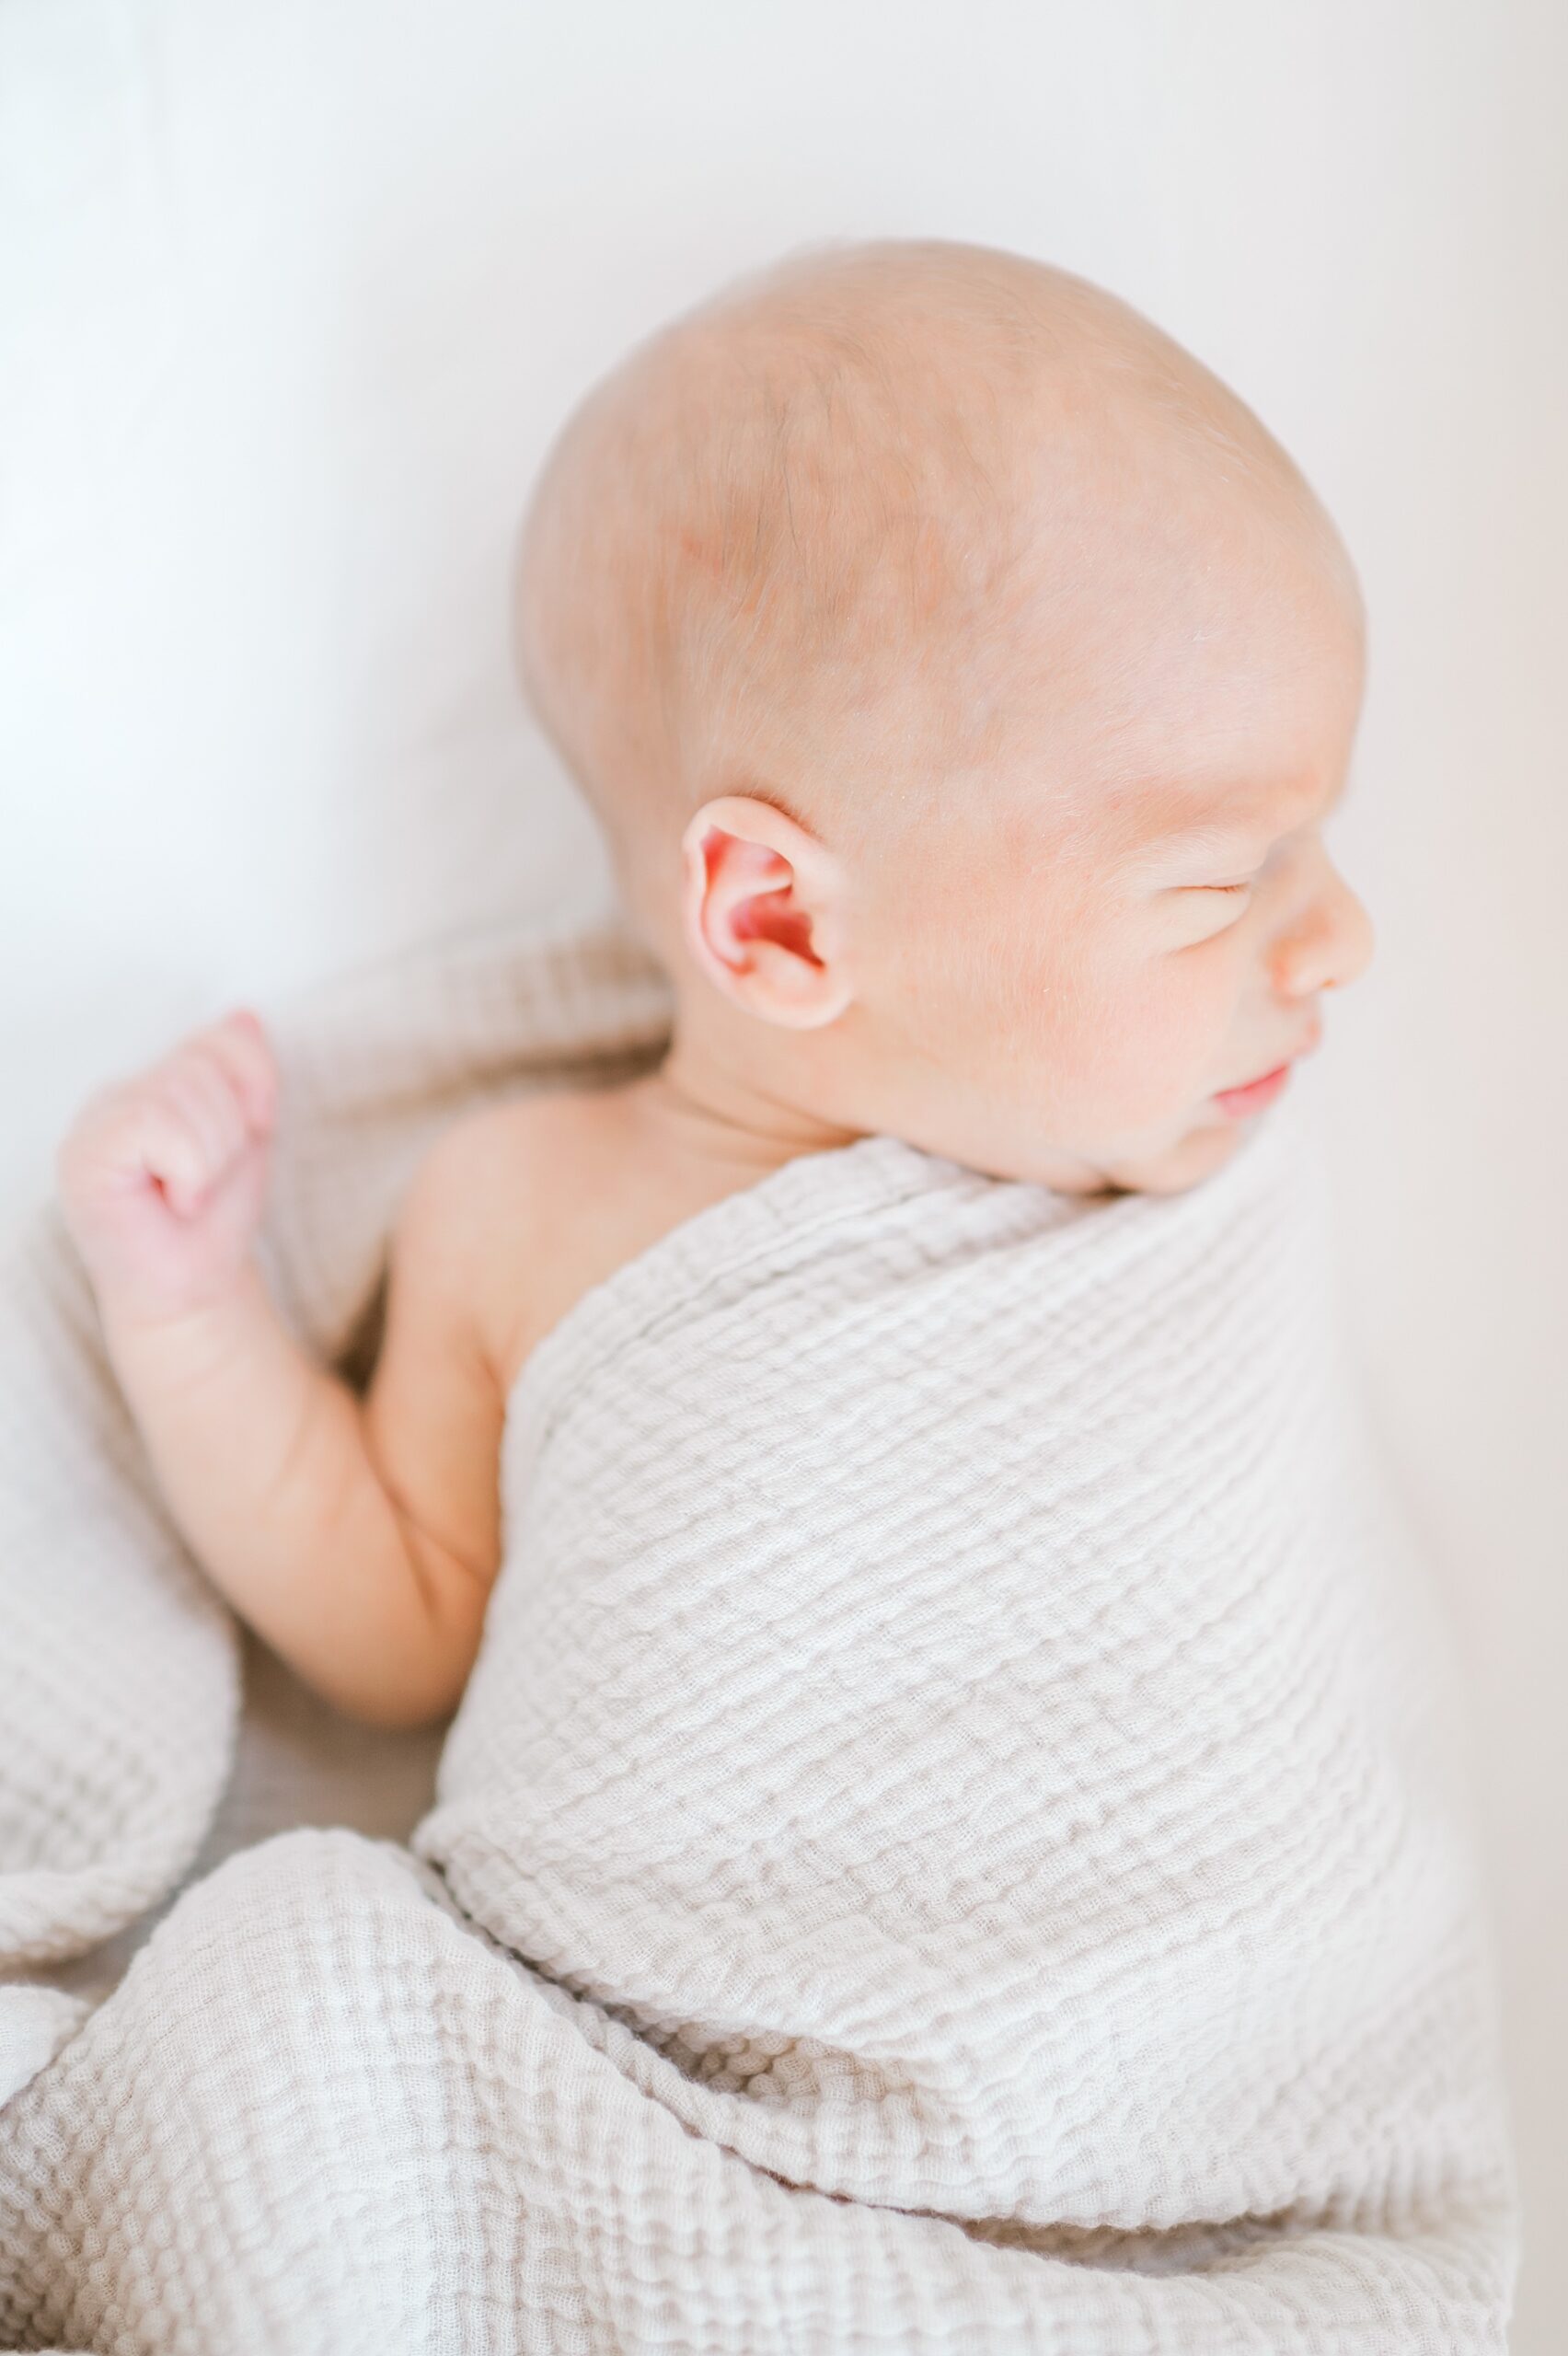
<point>949,1839</point>
<point>964,677</point>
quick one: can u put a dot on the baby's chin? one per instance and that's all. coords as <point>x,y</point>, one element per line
<point>1172,1168</point>
<point>1188,1154</point>
<point>1185,1163</point>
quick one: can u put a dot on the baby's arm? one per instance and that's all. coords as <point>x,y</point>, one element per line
<point>359,1537</point>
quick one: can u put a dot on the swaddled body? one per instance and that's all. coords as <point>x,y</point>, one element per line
<point>940,1696</point>
<point>952,1730</point>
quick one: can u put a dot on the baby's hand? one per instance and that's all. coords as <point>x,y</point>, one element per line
<point>163,1177</point>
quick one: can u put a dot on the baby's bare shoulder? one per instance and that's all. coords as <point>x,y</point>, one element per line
<point>527,1156</point>
<point>541,1192</point>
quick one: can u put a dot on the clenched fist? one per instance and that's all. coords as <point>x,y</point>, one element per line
<point>163,1177</point>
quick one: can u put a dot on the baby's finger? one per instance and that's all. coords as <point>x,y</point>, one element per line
<point>170,1152</point>
<point>206,1070</point>
<point>241,1043</point>
<point>202,1097</point>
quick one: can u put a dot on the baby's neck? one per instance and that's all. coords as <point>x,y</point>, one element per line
<point>707,1107</point>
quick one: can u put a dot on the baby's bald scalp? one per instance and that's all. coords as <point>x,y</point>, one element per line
<point>807,541</point>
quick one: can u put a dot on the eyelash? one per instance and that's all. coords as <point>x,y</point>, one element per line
<point>1227,892</point>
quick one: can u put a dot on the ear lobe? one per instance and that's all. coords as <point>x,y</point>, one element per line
<point>760,907</point>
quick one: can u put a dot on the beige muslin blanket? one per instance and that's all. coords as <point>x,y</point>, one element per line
<point>953,1841</point>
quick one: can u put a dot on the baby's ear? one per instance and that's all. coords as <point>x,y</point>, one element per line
<point>762,905</point>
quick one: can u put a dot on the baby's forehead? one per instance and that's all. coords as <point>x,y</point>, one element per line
<point>1214,660</point>
<point>1186,741</point>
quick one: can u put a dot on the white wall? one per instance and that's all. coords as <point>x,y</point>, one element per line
<point>292,292</point>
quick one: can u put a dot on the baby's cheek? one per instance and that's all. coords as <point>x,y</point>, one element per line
<point>1132,1047</point>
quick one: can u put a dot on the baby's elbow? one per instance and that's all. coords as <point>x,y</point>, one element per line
<point>397,1708</point>
<point>414,1670</point>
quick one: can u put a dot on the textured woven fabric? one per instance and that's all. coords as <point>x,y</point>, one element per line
<point>952,1840</point>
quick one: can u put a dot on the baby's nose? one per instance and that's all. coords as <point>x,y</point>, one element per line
<point>1330,942</point>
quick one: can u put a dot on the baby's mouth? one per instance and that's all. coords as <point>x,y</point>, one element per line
<point>1252,1095</point>
<point>1256,1095</point>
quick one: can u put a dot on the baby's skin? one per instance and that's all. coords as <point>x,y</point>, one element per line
<point>963,678</point>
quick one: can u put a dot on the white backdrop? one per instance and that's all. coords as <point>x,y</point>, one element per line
<point>292,293</point>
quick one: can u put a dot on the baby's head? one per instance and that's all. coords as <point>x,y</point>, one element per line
<point>964,676</point>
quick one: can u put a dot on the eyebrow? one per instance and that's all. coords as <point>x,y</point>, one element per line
<point>1213,835</point>
<point>1236,832</point>
<point>1226,836</point>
